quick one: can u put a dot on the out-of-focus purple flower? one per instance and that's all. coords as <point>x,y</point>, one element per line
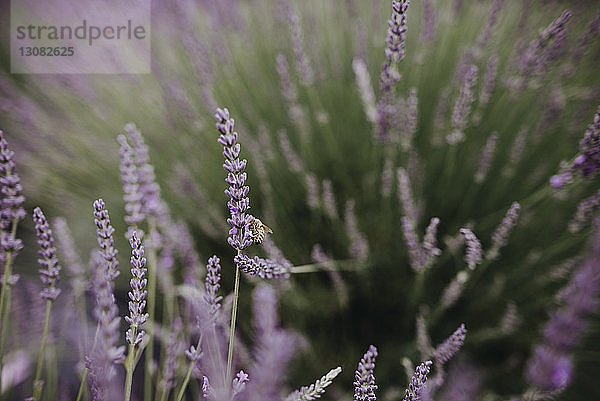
<point>315,390</point>
<point>312,191</point>
<point>239,235</point>
<point>152,205</point>
<point>588,38</point>
<point>483,39</point>
<point>365,88</point>
<point>473,255</point>
<point>490,78</point>
<point>275,254</point>
<point>359,247</point>
<point>138,293</point>
<point>549,370</point>
<point>410,120</point>
<point>106,309</point>
<point>290,155</point>
<point>587,163</point>
<point>329,200</point>
<point>462,382</point>
<point>70,255</point>
<point>131,188</point>
<point>364,379</point>
<point>49,275</point>
<point>174,349</point>
<point>274,348</point>
<point>500,236</point>
<point>417,382</point>
<point>239,383</point>
<point>406,199</point>
<point>429,25</point>
<point>263,268</point>
<point>394,53</point>
<point>213,279</point>
<point>415,252</point>
<point>462,107</point>
<point>485,159</point>
<point>303,66</point>
<point>453,291</point>
<point>543,49</point>
<point>518,146</point>
<point>430,241</point>
<point>446,350</point>
<point>290,92</point>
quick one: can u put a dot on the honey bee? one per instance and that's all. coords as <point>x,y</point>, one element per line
<point>258,231</point>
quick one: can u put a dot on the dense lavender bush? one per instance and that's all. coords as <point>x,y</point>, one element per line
<point>394,169</point>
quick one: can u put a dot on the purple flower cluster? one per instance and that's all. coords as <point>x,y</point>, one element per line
<point>473,255</point>
<point>500,236</point>
<point>239,235</point>
<point>11,205</point>
<point>417,382</point>
<point>49,275</point>
<point>486,158</point>
<point>213,279</point>
<point>263,268</point>
<point>138,293</point>
<point>131,188</point>
<point>364,379</point>
<point>462,107</point>
<point>587,163</point>
<point>550,369</point>
<point>394,52</point>
<point>446,350</point>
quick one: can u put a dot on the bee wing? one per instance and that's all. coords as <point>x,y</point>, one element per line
<point>267,229</point>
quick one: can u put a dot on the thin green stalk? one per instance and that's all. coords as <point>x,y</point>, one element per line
<point>236,296</point>
<point>151,307</point>
<point>129,366</point>
<point>37,383</point>
<point>86,371</point>
<point>5,298</point>
<point>188,374</point>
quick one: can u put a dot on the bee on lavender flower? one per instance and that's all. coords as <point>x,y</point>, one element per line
<point>259,230</point>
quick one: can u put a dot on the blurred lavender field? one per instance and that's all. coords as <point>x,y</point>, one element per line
<point>428,171</point>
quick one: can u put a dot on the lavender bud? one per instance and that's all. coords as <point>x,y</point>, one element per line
<point>213,279</point>
<point>49,275</point>
<point>365,88</point>
<point>364,379</point>
<point>446,350</point>
<point>329,200</point>
<point>473,255</point>
<point>429,25</point>
<point>239,383</point>
<point>137,297</point>
<point>359,247</point>
<point>490,77</point>
<point>430,240</point>
<point>500,236</point>
<point>312,191</point>
<point>485,159</point>
<point>462,107</point>
<point>131,188</point>
<point>315,390</point>
<point>417,383</point>
<point>263,268</point>
<point>11,205</point>
<point>548,370</point>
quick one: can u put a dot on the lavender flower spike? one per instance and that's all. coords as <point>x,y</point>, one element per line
<point>213,279</point>
<point>500,236</point>
<point>131,187</point>
<point>49,275</point>
<point>315,390</point>
<point>365,88</point>
<point>138,295</point>
<point>446,350</point>
<point>486,157</point>
<point>413,392</point>
<point>473,255</point>
<point>364,379</point>
<point>462,107</point>
<point>239,235</point>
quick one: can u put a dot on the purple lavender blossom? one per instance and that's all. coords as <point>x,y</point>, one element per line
<point>239,383</point>
<point>131,188</point>
<point>213,279</point>
<point>491,22</point>
<point>239,235</point>
<point>174,349</point>
<point>415,387</point>
<point>500,236</point>
<point>275,254</point>
<point>446,350</point>
<point>430,241</point>
<point>49,275</point>
<point>429,25</point>
<point>394,53</point>
<point>387,176</point>
<point>303,66</point>
<point>542,50</point>
<point>473,255</point>
<point>11,204</point>
<point>462,382</point>
<point>290,92</point>
<point>151,202</point>
<point>312,191</point>
<point>485,159</point>
<point>291,157</point>
<point>70,255</point>
<point>274,348</point>
<point>549,370</point>
<point>587,163</point>
<point>585,211</point>
<point>263,268</point>
<point>315,390</point>
<point>138,295</point>
<point>462,107</point>
<point>364,379</point>
<point>490,77</point>
<point>415,252</point>
<point>453,291</point>
<point>104,232</point>
<point>406,199</point>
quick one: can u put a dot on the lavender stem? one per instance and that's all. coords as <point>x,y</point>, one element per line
<point>37,383</point>
<point>234,308</point>
<point>5,297</point>
<point>152,266</point>
<point>188,374</point>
